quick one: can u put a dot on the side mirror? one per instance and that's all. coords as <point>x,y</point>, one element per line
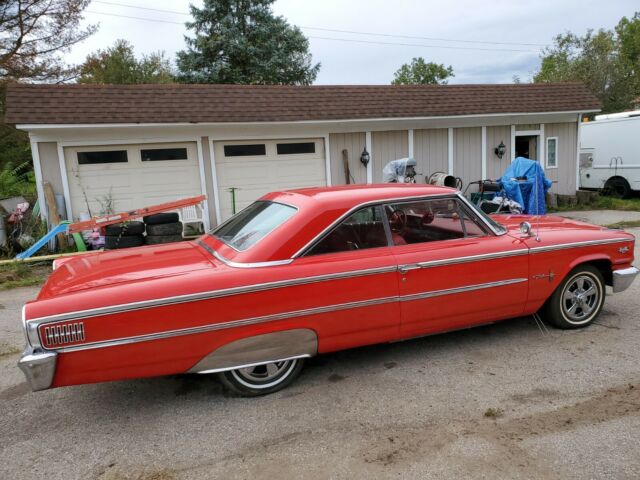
<point>525,228</point>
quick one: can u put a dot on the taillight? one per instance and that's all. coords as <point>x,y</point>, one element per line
<point>62,334</point>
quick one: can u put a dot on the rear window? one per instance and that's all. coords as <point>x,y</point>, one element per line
<point>252,224</point>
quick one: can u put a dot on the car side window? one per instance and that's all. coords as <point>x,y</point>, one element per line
<point>431,220</point>
<point>363,229</point>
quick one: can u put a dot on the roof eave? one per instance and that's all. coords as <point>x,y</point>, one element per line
<point>42,126</point>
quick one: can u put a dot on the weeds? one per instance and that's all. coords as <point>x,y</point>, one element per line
<point>15,181</point>
<point>18,274</point>
<point>494,413</point>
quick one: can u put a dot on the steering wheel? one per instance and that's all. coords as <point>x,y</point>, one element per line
<point>398,221</point>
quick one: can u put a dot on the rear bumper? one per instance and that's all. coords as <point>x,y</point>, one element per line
<point>39,368</point>
<point>622,279</point>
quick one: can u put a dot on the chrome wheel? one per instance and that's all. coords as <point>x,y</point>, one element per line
<point>264,376</point>
<point>581,298</point>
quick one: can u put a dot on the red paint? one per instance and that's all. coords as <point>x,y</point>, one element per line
<point>155,272</point>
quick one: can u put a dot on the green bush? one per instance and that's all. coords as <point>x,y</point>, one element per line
<point>16,181</point>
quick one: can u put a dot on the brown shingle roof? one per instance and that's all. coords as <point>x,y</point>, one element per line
<point>179,103</point>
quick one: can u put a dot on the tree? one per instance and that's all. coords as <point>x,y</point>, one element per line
<point>119,65</point>
<point>241,41</point>
<point>419,72</point>
<point>33,34</point>
<point>607,62</point>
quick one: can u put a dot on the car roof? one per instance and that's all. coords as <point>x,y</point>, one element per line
<point>349,196</point>
<point>317,209</point>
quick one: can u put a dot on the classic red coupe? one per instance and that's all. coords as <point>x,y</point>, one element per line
<point>304,272</point>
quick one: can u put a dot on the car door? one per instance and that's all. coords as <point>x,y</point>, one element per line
<point>454,270</point>
<point>361,297</point>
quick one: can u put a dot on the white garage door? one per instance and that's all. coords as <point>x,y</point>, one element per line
<point>124,177</point>
<point>257,167</point>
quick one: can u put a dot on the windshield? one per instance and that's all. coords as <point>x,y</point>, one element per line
<point>500,229</point>
<point>252,224</point>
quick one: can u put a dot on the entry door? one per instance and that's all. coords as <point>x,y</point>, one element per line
<point>453,271</point>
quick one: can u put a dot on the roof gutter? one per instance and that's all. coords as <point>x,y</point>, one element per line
<point>43,126</point>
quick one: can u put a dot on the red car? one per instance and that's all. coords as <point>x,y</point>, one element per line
<point>304,272</point>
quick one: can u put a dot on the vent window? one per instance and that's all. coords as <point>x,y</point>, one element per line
<point>296,148</point>
<point>159,154</point>
<point>109,156</point>
<point>245,150</point>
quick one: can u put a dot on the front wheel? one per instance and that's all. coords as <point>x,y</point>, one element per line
<point>578,299</point>
<point>262,379</point>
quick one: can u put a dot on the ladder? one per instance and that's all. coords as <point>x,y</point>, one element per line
<point>110,219</point>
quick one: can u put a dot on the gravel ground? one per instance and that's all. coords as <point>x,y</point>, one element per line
<point>566,405</point>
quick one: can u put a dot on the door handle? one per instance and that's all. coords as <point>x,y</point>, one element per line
<point>405,268</point>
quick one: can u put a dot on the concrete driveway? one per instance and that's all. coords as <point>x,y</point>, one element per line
<point>567,405</point>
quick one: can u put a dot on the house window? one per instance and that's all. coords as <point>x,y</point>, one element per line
<point>245,150</point>
<point>158,154</point>
<point>552,152</point>
<point>296,148</point>
<point>109,156</point>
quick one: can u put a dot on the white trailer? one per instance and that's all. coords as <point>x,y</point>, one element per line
<point>610,153</point>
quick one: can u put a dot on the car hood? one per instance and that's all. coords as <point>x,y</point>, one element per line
<point>543,222</point>
<point>102,269</point>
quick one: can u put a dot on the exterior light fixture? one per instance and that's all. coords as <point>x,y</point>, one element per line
<point>365,157</point>
<point>500,150</point>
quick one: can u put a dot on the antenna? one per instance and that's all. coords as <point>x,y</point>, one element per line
<point>537,180</point>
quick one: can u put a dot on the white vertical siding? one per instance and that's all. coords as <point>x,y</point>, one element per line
<point>353,143</point>
<point>430,151</point>
<point>563,177</point>
<point>467,156</point>
<point>495,165</point>
<point>387,146</point>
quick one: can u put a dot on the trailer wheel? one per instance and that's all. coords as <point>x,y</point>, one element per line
<point>617,187</point>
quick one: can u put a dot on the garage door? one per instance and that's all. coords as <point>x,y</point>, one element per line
<point>254,168</point>
<point>124,177</point>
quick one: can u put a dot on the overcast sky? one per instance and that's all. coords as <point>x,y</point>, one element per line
<point>491,40</point>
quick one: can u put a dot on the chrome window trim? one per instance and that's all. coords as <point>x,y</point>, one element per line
<point>284,316</point>
<point>483,220</point>
<point>233,264</point>
<point>193,297</point>
<point>312,243</point>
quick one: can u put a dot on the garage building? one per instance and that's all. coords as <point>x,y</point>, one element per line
<point>118,147</point>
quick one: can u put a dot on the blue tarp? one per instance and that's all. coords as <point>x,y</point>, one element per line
<point>529,193</point>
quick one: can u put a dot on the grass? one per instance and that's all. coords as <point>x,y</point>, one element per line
<point>23,275</point>
<point>494,413</point>
<point>603,203</point>
<point>625,224</point>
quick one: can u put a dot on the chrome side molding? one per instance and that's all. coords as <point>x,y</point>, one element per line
<point>260,349</point>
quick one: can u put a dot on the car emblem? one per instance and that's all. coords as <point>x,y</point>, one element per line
<point>549,275</point>
<point>624,249</point>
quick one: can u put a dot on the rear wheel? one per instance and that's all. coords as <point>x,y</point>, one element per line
<point>617,187</point>
<point>262,379</point>
<point>578,299</point>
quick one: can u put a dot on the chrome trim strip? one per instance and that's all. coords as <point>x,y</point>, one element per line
<point>233,264</point>
<point>311,243</point>
<point>586,243</point>
<point>468,288</point>
<point>226,369</point>
<point>470,258</point>
<point>223,326</point>
<point>284,316</point>
<point>193,297</point>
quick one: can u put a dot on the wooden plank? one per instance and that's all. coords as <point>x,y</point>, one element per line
<point>54,218</point>
<point>114,218</point>
<point>44,258</point>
